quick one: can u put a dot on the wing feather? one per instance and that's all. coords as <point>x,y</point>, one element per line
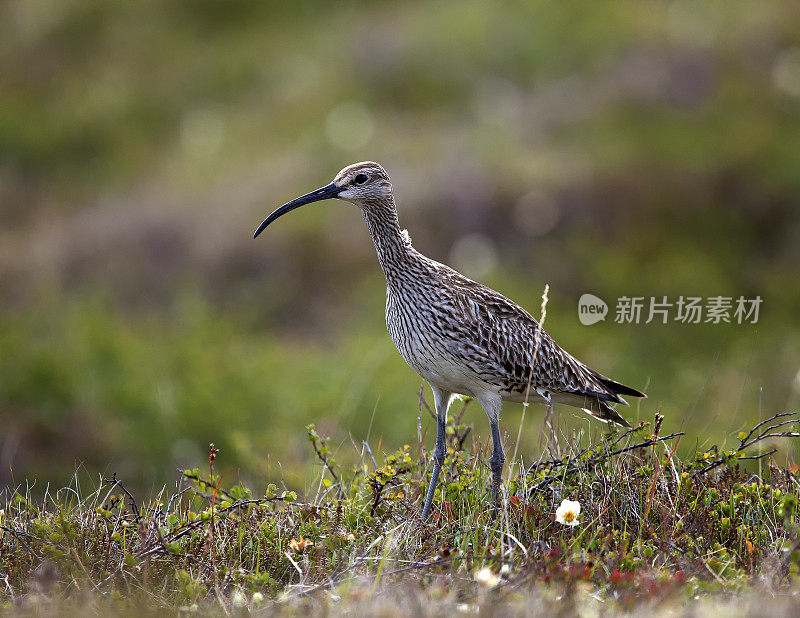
<point>499,338</point>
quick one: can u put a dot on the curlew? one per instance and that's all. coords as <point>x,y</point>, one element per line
<point>458,335</point>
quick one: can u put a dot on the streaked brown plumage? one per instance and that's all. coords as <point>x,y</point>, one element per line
<point>459,335</point>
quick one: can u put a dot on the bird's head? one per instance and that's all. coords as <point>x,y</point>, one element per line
<point>359,183</point>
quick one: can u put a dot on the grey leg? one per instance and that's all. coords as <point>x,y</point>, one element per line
<point>442,401</point>
<point>491,405</point>
<point>496,462</point>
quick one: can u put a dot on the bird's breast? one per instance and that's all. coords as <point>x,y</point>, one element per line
<point>421,330</point>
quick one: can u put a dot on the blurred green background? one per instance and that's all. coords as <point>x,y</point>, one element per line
<point>631,148</point>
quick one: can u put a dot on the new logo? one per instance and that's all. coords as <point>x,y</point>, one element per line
<point>591,309</point>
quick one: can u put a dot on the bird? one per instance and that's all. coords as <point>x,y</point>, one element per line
<point>462,337</point>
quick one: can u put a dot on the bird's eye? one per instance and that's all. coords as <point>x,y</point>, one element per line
<point>360,179</point>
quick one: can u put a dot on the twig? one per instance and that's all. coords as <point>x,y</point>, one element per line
<point>749,440</point>
<point>570,466</point>
<point>322,455</point>
<point>189,527</point>
<point>18,533</point>
<point>378,486</point>
<point>117,483</point>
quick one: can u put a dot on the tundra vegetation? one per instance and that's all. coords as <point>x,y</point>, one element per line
<point>654,533</point>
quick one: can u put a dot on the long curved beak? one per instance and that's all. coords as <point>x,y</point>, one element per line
<point>323,193</point>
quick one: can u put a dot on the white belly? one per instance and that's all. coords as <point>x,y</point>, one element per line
<point>425,352</point>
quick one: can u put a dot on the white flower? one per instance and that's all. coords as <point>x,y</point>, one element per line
<point>487,578</point>
<point>505,570</point>
<point>257,599</point>
<point>568,512</point>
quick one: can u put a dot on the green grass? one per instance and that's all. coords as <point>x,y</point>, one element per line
<point>655,531</point>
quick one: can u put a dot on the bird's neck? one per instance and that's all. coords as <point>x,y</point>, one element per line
<point>393,246</point>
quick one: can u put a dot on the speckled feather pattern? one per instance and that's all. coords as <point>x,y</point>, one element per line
<point>464,337</point>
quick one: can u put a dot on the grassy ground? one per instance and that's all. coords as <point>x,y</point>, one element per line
<point>715,530</point>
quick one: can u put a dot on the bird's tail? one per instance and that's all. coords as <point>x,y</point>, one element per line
<point>616,388</point>
<point>601,410</point>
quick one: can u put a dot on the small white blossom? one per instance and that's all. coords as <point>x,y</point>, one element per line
<point>257,599</point>
<point>505,570</point>
<point>568,512</point>
<point>486,577</point>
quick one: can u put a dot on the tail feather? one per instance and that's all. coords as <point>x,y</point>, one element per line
<point>617,388</point>
<point>604,412</point>
<point>597,407</point>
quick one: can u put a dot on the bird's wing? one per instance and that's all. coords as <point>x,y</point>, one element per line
<point>499,337</point>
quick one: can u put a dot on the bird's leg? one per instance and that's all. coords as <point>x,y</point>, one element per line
<point>496,462</point>
<point>442,401</point>
<point>438,458</point>
<point>491,403</point>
